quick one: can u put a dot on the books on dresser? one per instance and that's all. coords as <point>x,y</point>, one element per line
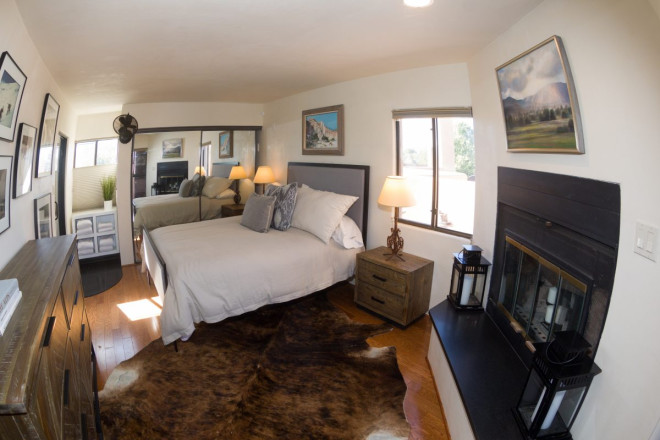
<point>9,299</point>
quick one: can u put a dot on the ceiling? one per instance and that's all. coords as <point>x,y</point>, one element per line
<point>107,53</point>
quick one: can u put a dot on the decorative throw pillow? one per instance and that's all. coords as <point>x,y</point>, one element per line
<point>198,184</point>
<point>214,186</point>
<point>258,212</point>
<point>347,234</point>
<point>319,212</point>
<point>185,188</point>
<point>285,203</point>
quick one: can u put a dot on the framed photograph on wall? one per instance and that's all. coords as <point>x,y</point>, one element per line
<point>172,148</point>
<point>47,131</point>
<point>5,199</point>
<point>12,84</point>
<point>539,103</point>
<point>323,130</point>
<point>226,143</point>
<point>43,227</point>
<point>27,138</point>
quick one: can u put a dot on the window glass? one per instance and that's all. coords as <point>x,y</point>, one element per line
<point>85,152</point>
<point>106,152</point>
<point>436,152</point>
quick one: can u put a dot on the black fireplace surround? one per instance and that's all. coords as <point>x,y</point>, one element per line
<point>169,176</point>
<point>568,222</point>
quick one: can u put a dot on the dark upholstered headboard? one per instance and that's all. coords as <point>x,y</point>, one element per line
<point>222,169</point>
<point>342,179</point>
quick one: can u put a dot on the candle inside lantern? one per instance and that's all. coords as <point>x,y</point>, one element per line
<point>467,289</point>
<point>554,407</point>
<point>548,313</point>
<point>552,295</point>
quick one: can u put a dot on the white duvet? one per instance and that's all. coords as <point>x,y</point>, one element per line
<point>218,268</point>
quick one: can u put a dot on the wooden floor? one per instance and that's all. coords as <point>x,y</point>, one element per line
<point>117,338</point>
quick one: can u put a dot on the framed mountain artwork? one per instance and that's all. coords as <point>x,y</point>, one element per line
<point>323,130</point>
<point>539,103</point>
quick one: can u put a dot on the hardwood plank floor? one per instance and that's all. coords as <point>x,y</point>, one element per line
<point>117,338</point>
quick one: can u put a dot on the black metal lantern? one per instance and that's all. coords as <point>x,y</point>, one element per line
<point>468,279</point>
<point>557,384</point>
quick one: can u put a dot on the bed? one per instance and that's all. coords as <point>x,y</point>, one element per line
<point>208,271</point>
<point>170,209</point>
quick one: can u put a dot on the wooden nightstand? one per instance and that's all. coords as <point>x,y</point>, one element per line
<point>232,210</point>
<point>397,290</point>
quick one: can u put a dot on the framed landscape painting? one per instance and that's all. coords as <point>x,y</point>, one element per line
<point>226,143</point>
<point>5,199</point>
<point>47,131</point>
<point>27,137</point>
<point>42,217</point>
<point>323,130</point>
<point>172,148</point>
<point>12,84</point>
<point>539,103</point>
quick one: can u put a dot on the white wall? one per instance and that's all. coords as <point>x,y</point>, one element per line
<point>15,39</point>
<point>613,48</point>
<point>369,140</point>
<point>171,114</point>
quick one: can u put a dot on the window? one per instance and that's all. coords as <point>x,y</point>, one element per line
<point>95,152</point>
<point>435,150</point>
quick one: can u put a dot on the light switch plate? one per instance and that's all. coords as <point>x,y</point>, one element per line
<point>646,238</point>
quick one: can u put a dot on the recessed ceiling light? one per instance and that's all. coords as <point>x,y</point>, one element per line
<point>418,3</point>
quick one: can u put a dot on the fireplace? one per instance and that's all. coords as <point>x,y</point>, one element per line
<point>169,176</point>
<point>555,253</point>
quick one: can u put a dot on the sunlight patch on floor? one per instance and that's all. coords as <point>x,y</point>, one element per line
<point>141,309</point>
<point>158,301</point>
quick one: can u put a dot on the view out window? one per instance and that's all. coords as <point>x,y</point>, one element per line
<point>95,152</point>
<point>435,150</point>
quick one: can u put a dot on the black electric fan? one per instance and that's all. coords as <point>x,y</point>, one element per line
<point>125,126</point>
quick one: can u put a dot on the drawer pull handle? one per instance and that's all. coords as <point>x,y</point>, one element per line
<point>83,425</point>
<point>65,398</point>
<point>49,330</point>
<point>380,301</point>
<point>70,260</point>
<point>75,299</point>
<point>82,332</point>
<point>381,279</point>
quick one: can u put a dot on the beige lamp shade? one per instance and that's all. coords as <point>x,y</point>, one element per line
<point>264,175</point>
<point>237,172</point>
<point>200,170</point>
<point>396,192</point>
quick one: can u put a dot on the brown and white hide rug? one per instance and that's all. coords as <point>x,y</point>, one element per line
<point>300,370</point>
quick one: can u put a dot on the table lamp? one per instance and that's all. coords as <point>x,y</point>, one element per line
<point>237,173</point>
<point>264,175</point>
<point>200,170</point>
<point>396,193</point>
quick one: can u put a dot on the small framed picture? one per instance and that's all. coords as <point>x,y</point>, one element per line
<point>42,217</point>
<point>12,84</point>
<point>5,199</point>
<point>226,144</point>
<point>27,138</point>
<point>539,103</point>
<point>47,131</point>
<point>172,148</point>
<point>323,131</point>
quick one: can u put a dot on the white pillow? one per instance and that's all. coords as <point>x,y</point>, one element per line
<point>348,234</point>
<point>226,194</point>
<point>214,186</point>
<point>319,212</point>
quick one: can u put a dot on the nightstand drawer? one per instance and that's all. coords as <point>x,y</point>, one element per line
<point>379,301</point>
<point>382,277</point>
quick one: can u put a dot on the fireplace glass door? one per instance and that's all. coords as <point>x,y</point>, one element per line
<point>539,297</point>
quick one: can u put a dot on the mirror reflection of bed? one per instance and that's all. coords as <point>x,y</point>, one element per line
<point>182,176</point>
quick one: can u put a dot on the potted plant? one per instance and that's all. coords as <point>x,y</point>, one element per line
<point>108,185</point>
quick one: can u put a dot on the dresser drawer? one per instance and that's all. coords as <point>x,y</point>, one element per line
<point>380,301</point>
<point>382,277</point>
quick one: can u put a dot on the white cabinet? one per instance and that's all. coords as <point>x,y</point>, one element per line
<point>97,232</point>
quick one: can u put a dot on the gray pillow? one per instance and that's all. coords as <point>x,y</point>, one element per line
<point>258,212</point>
<point>285,204</point>
<point>185,188</point>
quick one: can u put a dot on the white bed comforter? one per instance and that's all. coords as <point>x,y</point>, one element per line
<point>218,268</point>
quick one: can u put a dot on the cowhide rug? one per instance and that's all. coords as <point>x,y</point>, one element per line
<point>300,370</point>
